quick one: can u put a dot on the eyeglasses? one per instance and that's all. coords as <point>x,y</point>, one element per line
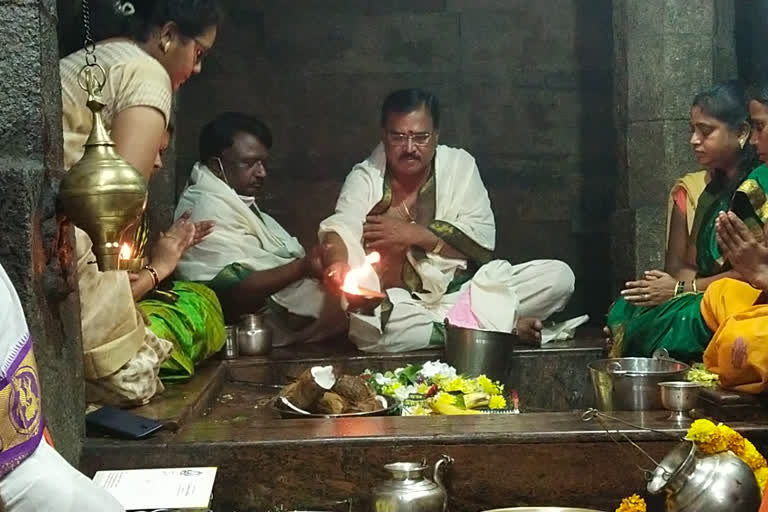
<point>200,50</point>
<point>401,139</point>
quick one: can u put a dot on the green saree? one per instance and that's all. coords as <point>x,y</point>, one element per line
<point>189,316</point>
<point>677,324</point>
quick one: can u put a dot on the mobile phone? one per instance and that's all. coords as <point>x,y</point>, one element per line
<point>121,423</point>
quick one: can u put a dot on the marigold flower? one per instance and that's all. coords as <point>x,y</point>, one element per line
<point>708,437</point>
<point>632,504</point>
<point>497,402</point>
<point>762,477</point>
<point>490,387</point>
<point>700,429</point>
<point>752,457</point>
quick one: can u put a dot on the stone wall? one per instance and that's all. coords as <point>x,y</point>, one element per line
<point>665,51</point>
<point>526,87</point>
<point>30,167</point>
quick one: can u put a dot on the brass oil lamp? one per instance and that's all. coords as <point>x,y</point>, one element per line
<point>102,193</point>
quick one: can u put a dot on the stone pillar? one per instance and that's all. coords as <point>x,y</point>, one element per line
<point>30,240</point>
<point>665,51</point>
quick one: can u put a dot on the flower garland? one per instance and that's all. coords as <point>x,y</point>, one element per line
<point>632,504</point>
<point>711,439</point>
<point>435,388</point>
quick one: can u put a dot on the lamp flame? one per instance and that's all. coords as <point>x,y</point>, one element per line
<point>355,275</point>
<point>125,251</point>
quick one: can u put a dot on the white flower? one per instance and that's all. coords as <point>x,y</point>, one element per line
<point>403,392</point>
<point>381,380</point>
<point>432,368</point>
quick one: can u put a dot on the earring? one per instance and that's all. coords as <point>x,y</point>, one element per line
<point>165,46</point>
<point>741,143</point>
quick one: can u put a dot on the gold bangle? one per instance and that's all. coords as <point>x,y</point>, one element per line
<point>695,290</point>
<point>438,246</point>
<point>153,274</point>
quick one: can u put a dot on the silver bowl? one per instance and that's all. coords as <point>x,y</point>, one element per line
<point>474,352</point>
<point>679,397</point>
<point>254,337</point>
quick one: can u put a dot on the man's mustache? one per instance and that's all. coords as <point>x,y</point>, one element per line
<point>414,156</point>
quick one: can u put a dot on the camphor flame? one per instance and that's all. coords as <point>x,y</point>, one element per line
<point>355,275</point>
<point>125,251</point>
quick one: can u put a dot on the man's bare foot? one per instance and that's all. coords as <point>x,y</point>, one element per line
<point>529,329</point>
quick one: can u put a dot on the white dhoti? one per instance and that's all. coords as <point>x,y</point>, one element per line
<point>500,293</point>
<point>45,482</point>
<point>537,288</point>
<point>36,478</point>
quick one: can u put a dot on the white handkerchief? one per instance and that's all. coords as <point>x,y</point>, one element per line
<point>563,330</point>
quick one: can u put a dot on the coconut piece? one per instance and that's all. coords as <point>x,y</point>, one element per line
<point>304,391</point>
<point>324,376</point>
<point>370,404</point>
<point>353,388</point>
<point>331,403</point>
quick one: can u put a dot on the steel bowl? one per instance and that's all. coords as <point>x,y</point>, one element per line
<point>631,383</point>
<point>679,397</point>
<point>254,337</point>
<point>474,352</point>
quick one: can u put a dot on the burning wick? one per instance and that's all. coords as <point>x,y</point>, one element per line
<point>125,252</point>
<point>355,275</point>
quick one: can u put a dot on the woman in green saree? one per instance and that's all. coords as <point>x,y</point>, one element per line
<point>184,313</point>
<point>662,310</point>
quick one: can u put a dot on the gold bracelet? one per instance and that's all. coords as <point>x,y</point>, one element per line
<point>695,290</point>
<point>438,246</point>
<point>153,274</point>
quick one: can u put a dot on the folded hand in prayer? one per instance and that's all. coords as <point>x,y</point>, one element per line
<point>656,288</point>
<point>747,254</point>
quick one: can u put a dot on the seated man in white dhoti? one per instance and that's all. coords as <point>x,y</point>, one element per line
<point>251,262</point>
<point>423,206</point>
<point>33,476</point>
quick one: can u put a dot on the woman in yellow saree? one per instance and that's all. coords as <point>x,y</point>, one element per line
<point>737,311</point>
<point>662,309</point>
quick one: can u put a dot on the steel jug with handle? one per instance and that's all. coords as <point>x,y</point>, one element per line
<point>408,490</point>
<point>695,482</point>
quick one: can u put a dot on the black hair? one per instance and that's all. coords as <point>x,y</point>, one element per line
<point>409,100</point>
<point>219,134</point>
<point>726,102</point>
<point>170,129</point>
<point>192,17</point>
<point>759,92</point>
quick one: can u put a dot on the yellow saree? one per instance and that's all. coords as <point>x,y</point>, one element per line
<point>738,352</point>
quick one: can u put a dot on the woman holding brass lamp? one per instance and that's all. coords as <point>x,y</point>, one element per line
<point>163,43</point>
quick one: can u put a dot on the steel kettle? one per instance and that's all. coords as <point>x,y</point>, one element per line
<point>408,490</point>
<point>694,482</point>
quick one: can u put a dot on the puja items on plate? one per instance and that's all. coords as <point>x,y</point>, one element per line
<point>323,390</point>
<point>435,388</point>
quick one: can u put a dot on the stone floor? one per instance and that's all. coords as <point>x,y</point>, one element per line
<point>223,417</point>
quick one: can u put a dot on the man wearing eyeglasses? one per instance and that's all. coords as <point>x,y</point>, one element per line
<point>424,208</point>
<point>252,263</point>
